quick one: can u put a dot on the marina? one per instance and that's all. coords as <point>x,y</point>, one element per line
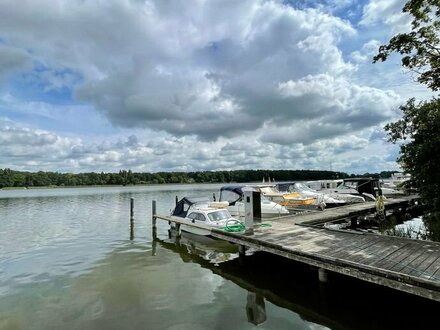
<point>407,265</point>
<point>88,256</point>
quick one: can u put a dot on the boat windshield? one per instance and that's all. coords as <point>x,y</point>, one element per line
<point>229,196</point>
<point>219,215</point>
<point>268,190</point>
<point>301,187</point>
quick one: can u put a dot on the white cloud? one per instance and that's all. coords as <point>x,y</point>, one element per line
<point>386,12</point>
<point>187,69</point>
<point>190,85</point>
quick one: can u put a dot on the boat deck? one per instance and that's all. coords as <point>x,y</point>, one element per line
<point>400,263</point>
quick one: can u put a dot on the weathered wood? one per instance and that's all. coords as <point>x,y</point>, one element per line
<point>153,213</point>
<point>131,208</point>
<point>422,269</point>
<point>403,264</point>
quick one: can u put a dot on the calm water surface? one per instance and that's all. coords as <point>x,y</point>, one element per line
<point>69,259</point>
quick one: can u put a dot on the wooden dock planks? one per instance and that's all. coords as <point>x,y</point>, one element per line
<point>400,263</point>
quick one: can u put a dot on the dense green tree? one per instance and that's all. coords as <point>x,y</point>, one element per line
<point>418,132</point>
<point>420,48</point>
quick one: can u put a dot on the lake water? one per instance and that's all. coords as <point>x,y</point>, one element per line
<point>69,260</point>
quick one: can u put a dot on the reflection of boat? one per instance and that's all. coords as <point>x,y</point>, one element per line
<point>234,196</point>
<point>201,211</point>
<point>289,200</point>
<point>320,197</point>
<point>210,249</point>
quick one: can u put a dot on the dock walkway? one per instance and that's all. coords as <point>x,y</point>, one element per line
<point>400,263</point>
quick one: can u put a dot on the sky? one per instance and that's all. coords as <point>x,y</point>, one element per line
<point>195,85</point>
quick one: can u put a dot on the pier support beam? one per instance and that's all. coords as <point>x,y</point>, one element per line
<point>322,275</point>
<point>242,250</point>
<point>353,222</point>
<point>178,230</point>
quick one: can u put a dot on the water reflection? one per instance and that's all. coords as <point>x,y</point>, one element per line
<point>255,308</point>
<point>342,303</point>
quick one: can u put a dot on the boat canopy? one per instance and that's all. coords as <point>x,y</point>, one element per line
<point>233,193</point>
<point>184,204</point>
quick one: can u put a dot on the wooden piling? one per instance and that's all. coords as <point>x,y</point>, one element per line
<point>131,208</point>
<point>131,229</point>
<point>322,275</point>
<point>242,250</point>
<point>354,222</point>
<point>153,219</point>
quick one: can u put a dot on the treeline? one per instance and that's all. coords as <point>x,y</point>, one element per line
<point>11,178</point>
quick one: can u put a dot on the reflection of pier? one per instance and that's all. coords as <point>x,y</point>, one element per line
<point>340,304</point>
<point>403,264</point>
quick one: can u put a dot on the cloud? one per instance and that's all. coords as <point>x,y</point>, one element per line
<point>201,70</point>
<point>171,85</point>
<point>386,12</point>
<point>12,60</point>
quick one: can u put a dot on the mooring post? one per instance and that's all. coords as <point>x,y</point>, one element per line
<point>131,208</point>
<point>131,229</point>
<point>153,219</point>
<point>177,200</point>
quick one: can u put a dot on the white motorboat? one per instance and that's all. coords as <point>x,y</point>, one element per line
<point>397,182</point>
<point>233,194</point>
<point>320,197</point>
<point>338,190</point>
<point>290,200</point>
<point>202,212</point>
<point>354,190</point>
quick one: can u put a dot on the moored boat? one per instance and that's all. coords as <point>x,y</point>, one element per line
<point>203,212</point>
<point>290,200</point>
<point>233,194</point>
<point>320,197</point>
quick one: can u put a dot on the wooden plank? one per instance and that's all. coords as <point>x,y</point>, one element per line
<point>417,267</point>
<point>431,271</point>
<point>405,265</point>
<point>396,258</point>
<point>349,253</point>
<point>392,248</point>
<point>348,243</point>
<point>423,270</point>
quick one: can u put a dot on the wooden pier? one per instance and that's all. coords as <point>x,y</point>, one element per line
<point>400,263</point>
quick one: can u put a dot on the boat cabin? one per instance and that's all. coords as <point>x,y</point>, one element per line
<point>182,206</point>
